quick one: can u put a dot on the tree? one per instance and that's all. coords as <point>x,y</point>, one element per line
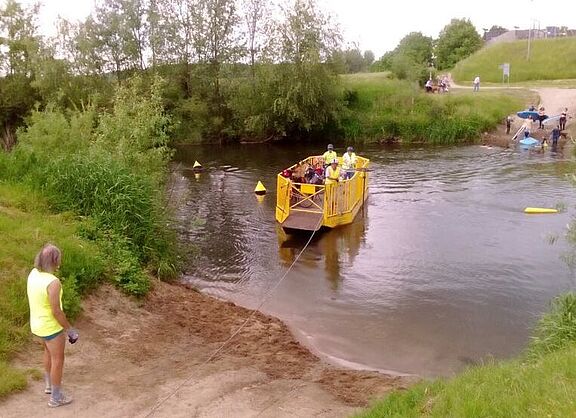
<point>299,94</point>
<point>368,58</point>
<point>256,16</point>
<point>457,41</point>
<point>20,47</point>
<point>417,47</point>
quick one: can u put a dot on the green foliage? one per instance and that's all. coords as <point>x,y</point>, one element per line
<point>556,329</point>
<point>109,169</point>
<point>410,60</point>
<point>26,224</point>
<point>137,129</point>
<point>387,110</point>
<point>456,41</point>
<point>550,59</point>
<point>507,389</point>
<point>123,264</point>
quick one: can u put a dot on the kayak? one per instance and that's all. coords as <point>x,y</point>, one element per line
<point>529,142</point>
<point>528,114</point>
<point>551,119</point>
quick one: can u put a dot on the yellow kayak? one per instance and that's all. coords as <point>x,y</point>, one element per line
<point>540,210</point>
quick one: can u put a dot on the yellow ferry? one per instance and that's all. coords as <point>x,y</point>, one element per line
<point>303,204</point>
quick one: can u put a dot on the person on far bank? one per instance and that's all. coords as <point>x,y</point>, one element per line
<point>349,160</point>
<point>508,124</point>
<point>555,135</point>
<point>541,117</point>
<point>48,321</point>
<point>333,173</point>
<point>476,83</point>
<point>563,117</point>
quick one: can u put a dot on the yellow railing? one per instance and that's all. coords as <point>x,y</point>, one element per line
<point>339,201</point>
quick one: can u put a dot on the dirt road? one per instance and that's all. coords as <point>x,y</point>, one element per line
<point>148,359</point>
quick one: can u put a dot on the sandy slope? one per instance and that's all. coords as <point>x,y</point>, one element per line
<point>131,358</point>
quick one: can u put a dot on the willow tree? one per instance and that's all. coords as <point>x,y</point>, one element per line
<point>304,90</point>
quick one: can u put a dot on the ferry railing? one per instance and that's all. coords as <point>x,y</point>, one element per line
<point>343,197</point>
<point>333,200</point>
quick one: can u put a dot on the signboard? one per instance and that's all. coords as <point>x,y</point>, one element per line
<point>505,71</point>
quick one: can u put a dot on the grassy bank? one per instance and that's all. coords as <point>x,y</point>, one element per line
<point>550,59</point>
<point>540,383</point>
<point>92,183</point>
<point>26,223</point>
<point>390,110</point>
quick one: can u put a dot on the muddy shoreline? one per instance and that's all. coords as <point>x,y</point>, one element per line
<point>150,358</point>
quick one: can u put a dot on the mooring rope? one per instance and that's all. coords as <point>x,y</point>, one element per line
<point>241,327</point>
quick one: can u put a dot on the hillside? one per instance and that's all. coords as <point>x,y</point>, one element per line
<point>550,59</point>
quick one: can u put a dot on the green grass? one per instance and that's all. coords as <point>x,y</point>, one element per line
<point>550,59</point>
<point>509,389</point>
<point>11,380</point>
<point>390,110</point>
<point>26,225</point>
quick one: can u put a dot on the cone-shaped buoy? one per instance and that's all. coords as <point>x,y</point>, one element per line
<point>197,166</point>
<point>260,189</point>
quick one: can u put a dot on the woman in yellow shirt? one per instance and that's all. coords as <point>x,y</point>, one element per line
<point>48,321</point>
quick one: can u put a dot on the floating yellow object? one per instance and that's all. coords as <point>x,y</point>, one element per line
<point>540,210</point>
<point>197,166</point>
<point>260,198</point>
<point>260,189</point>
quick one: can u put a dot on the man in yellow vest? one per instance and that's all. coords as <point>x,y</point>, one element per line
<point>333,172</point>
<point>329,155</point>
<point>349,163</point>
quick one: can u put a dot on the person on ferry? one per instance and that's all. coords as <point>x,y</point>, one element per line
<point>349,160</point>
<point>333,173</point>
<point>329,155</point>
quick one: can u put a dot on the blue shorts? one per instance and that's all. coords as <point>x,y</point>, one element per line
<point>51,337</point>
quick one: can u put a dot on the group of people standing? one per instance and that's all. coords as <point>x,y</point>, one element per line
<point>334,172</point>
<point>541,118</point>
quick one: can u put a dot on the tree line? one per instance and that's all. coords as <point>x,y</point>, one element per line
<point>234,69</point>
<point>417,56</point>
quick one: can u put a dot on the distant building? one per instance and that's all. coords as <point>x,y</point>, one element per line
<point>497,34</point>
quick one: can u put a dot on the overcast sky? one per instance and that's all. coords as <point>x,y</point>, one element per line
<point>379,25</point>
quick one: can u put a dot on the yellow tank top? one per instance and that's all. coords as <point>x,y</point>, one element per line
<point>42,321</point>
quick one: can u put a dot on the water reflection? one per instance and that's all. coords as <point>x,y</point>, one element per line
<point>333,248</point>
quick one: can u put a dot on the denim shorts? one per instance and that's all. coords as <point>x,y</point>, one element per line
<point>51,337</point>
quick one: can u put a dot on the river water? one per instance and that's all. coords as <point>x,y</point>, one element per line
<point>441,270</point>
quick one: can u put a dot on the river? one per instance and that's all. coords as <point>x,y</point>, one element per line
<point>441,270</point>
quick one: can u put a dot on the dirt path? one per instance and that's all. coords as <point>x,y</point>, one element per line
<point>132,356</point>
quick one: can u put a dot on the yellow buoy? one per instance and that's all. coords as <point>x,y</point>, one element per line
<point>197,166</point>
<point>540,210</point>
<point>260,198</point>
<point>260,189</point>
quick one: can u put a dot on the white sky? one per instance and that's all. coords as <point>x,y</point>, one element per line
<point>380,24</point>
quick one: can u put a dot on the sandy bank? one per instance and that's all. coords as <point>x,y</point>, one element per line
<point>133,355</point>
